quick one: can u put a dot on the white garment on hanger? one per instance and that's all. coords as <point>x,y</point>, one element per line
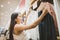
<point>32,33</point>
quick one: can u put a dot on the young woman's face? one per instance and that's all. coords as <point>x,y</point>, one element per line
<point>19,18</point>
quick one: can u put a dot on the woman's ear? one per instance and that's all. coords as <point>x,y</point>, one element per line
<point>15,19</point>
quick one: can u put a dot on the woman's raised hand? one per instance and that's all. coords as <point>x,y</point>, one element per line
<point>50,9</point>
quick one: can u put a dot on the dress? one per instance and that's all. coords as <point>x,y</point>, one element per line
<point>47,29</point>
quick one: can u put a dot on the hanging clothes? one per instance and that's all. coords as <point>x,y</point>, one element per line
<point>32,34</point>
<point>22,3</point>
<point>47,29</point>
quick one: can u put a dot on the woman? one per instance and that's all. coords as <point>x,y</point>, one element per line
<point>16,29</point>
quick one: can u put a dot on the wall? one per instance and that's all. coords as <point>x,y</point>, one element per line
<point>57,10</point>
<point>6,8</point>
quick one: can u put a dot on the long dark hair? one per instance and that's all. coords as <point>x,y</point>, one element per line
<point>12,24</point>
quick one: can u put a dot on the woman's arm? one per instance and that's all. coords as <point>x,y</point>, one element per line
<point>54,18</point>
<point>33,25</point>
<point>55,21</point>
<point>52,13</point>
<point>42,6</point>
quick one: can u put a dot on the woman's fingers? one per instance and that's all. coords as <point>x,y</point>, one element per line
<point>49,8</point>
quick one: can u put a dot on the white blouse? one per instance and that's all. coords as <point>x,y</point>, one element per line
<point>21,36</point>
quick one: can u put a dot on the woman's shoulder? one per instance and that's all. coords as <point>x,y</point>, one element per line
<point>18,26</point>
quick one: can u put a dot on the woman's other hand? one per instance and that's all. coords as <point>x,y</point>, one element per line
<point>50,9</point>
